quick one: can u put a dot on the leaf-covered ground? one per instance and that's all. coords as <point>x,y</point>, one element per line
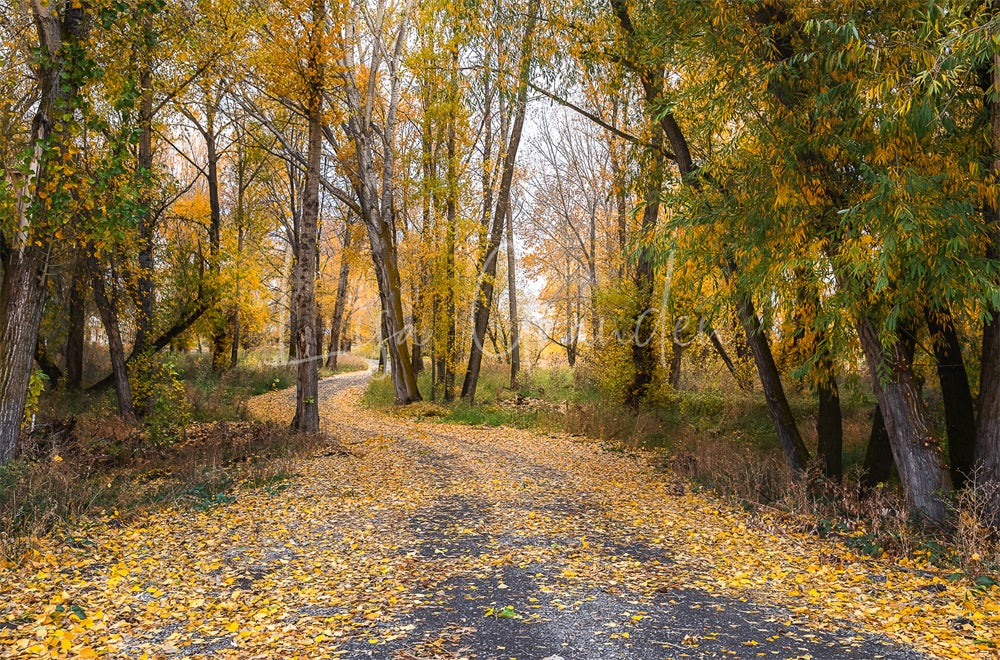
<point>434,541</point>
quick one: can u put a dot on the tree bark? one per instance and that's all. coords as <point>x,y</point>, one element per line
<point>77,322</point>
<point>374,193</point>
<point>644,322</point>
<point>221,351</point>
<point>451,221</point>
<point>987,449</point>
<point>336,321</point>
<point>515,322</point>
<point>484,296</point>
<point>829,421</point>
<point>796,454</point>
<point>306,418</point>
<point>108,311</point>
<point>675,365</point>
<point>22,292</point>
<point>21,301</point>
<point>959,410</point>
<point>914,446</point>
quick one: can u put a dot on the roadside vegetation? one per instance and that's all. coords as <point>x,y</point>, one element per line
<point>723,440</point>
<point>195,446</point>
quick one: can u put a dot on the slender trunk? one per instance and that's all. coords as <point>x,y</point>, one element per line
<point>234,353</point>
<point>182,325</point>
<point>307,383</point>
<point>644,321</point>
<point>675,365</point>
<point>451,220</point>
<point>484,298</point>
<point>796,454</point>
<point>959,410</point>
<point>375,194</point>
<point>515,331</point>
<point>221,352</point>
<point>829,420</point>
<point>810,338</point>
<point>878,456</point>
<point>417,354</point>
<point>343,278</point>
<point>620,191</point>
<point>77,325</point>
<point>146,223</point>
<point>107,308</point>
<point>713,336</point>
<point>293,321</point>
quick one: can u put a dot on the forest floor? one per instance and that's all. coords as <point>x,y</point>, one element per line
<point>407,539</point>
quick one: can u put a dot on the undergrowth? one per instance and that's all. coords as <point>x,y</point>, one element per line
<point>192,446</point>
<point>723,441</point>
<point>62,478</point>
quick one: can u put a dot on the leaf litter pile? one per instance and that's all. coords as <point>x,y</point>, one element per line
<point>416,540</point>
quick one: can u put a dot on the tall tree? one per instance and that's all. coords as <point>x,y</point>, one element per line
<point>488,269</point>
<point>38,191</point>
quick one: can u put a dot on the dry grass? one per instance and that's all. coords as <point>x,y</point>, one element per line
<point>64,476</point>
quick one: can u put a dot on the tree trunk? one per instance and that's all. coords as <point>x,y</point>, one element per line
<point>221,350</point>
<point>829,422</point>
<point>878,457</point>
<point>484,297</point>
<point>914,447</point>
<point>959,410</point>
<point>987,452</point>
<point>375,194</point>
<point>107,308</point>
<point>77,326</point>
<point>307,383</point>
<point>343,278</point>
<point>810,339</point>
<point>644,321</point>
<point>234,347</point>
<point>293,322</point>
<point>713,336</point>
<point>515,330</point>
<point>22,293</point>
<point>21,301</point>
<point>146,224</point>
<point>675,365</point>
<point>451,220</point>
<point>796,454</point>
<point>45,363</point>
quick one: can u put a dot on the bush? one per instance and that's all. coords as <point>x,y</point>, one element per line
<point>160,399</point>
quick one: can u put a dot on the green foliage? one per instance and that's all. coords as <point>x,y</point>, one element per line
<point>35,388</point>
<point>160,399</point>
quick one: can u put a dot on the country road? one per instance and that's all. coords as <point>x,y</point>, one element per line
<point>425,540</point>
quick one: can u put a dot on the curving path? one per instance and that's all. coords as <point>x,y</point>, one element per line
<point>425,540</point>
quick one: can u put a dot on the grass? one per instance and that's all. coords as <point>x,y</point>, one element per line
<point>83,460</point>
<point>542,393</point>
<point>216,396</point>
<point>71,478</point>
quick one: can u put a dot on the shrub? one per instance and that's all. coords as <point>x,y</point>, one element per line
<point>160,399</point>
